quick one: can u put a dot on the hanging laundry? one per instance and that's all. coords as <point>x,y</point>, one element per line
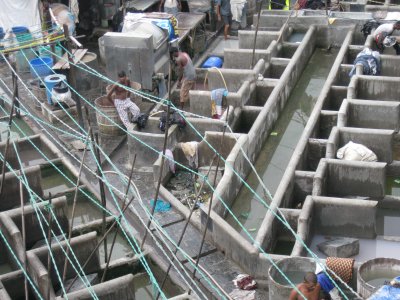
<point>171,161</point>
<point>217,97</point>
<point>370,60</point>
<point>237,7</point>
<point>190,149</point>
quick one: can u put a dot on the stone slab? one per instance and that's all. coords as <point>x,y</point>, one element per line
<point>340,247</point>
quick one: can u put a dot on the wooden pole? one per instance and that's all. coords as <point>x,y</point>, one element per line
<point>50,222</point>
<point>74,206</point>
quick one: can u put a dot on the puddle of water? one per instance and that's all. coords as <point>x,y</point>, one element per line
<point>369,248</point>
<point>387,222</point>
<point>392,187</point>
<point>121,247</point>
<point>295,276</point>
<point>53,182</point>
<point>15,133</point>
<point>296,37</point>
<point>378,278</point>
<point>5,268</point>
<point>283,247</point>
<point>278,149</point>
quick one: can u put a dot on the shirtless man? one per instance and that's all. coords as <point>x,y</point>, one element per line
<point>122,102</point>
<point>187,78</point>
<point>310,288</point>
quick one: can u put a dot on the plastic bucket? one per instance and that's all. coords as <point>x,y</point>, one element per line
<point>21,33</point>
<point>50,81</point>
<point>41,66</point>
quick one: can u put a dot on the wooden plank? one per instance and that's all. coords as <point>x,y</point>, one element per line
<point>63,65</point>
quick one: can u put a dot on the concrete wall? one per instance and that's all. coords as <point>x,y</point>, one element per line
<point>373,88</point>
<point>350,178</point>
<point>11,193</point>
<point>378,140</point>
<point>369,114</point>
<point>352,217</point>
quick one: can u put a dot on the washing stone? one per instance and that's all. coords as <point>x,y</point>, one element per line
<point>340,247</point>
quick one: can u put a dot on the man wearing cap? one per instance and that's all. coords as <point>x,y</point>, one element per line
<point>382,37</point>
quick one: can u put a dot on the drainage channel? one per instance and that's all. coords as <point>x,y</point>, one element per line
<point>278,149</point>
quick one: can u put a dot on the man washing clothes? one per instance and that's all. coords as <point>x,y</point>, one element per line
<point>383,37</point>
<point>187,78</point>
<point>310,288</point>
<point>122,102</point>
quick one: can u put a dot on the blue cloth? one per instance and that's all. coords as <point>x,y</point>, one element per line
<point>386,292</point>
<point>217,94</point>
<point>161,206</point>
<point>225,7</point>
<point>325,283</point>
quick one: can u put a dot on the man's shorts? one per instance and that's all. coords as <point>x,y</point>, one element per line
<point>227,19</point>
<point>187,85</point>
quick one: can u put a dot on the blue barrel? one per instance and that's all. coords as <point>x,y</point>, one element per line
<point>41,66</point>
<point>50,81</point>
<point>213,61</point>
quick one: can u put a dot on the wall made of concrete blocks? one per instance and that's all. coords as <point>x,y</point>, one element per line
<point>374,88</point>
<point>389,65</point>
<point>263,90</point>
<point>380,141</point>
<point>327,120</point>
<point>121,288</point>
<point>37,260</point>
<point>264,39</point>
<point>304,227</point>
<point>277,99</point>
<point>11,193</point>
<point>200,101</point>
<point>243,58</point>
<point>315,150</point>
<point>229,186</point>
<point>303,184</point>
<point>244,118</point>
<point>350,179</point>
<point>369,114</point>
<point>276,67</point>
<point>153,136</point>
<point>336,216</point>
<point>10,223</point>
<point>335,97</point>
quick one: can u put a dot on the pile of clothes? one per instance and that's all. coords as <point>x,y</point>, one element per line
<point>370,60</point>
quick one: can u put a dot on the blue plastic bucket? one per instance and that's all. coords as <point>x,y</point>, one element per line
<point>21,33</point>
<point>213,61</point>
<point>41,66</point>
<point>50,81</point>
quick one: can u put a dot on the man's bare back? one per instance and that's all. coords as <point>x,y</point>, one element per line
<point>120,92</point>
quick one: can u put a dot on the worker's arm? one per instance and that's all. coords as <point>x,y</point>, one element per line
<point>218,9</point>
<point>110,93</point>
<point>293,295</point>
<point>161,4</point>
